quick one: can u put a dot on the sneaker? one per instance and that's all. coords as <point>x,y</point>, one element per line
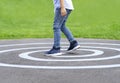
<point>73,46</point>
<point>53,52</point>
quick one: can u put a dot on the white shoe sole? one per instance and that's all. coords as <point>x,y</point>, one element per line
<point>77,47</point>
<point>55,54</point>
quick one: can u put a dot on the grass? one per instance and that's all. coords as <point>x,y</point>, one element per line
<point>33,19</point>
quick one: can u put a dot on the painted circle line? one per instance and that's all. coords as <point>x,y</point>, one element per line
<point>26,55</point>
<point>92,59</point>
<point>96,53</point>
<point>65,67</point>
<point>61,67</point>
<point>61,43</point>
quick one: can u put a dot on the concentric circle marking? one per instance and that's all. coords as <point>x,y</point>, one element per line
<point>26,56</point>
<point>65,67</point>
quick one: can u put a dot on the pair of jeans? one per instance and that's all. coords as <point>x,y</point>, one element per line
<point>60,25</point>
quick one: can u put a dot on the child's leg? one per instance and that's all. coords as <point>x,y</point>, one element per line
<point>58,22</point>
<point>73,43</point>
<point>67,33</point>
<point>66,30</point>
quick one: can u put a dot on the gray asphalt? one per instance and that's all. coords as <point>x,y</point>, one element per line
<point>102,68</point>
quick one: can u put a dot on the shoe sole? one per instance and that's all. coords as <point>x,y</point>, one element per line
<point>55,54</point>
<point>77,47</point>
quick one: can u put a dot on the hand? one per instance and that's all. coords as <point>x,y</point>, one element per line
<point>63,12</point>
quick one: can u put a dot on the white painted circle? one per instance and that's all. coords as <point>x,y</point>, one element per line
<point>61,67</point>
<point>26,55</point>
<point>65,67</point>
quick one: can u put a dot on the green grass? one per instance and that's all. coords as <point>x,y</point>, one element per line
<point>33,19</point>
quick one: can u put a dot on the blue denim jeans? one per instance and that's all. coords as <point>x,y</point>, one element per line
<point>60,25</point>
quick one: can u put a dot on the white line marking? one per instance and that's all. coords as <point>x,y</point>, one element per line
<point>61,43</point>
<point>61,67</point>
<point>92,59</point>
<point>26,56</point>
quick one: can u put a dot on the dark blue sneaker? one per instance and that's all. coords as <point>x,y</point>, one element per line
<point>73,46</point>
<point>53,52</point>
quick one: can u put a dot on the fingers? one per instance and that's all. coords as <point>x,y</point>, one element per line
<point>63,12</point>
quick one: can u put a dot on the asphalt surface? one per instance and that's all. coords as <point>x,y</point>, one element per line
<point>23,61</point>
